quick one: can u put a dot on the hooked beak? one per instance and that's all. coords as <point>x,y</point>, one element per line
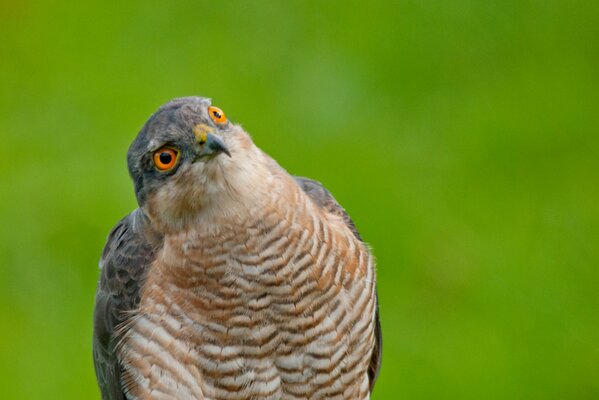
<point>210,144</point>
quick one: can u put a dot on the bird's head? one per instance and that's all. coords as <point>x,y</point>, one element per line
<point>189,159</point>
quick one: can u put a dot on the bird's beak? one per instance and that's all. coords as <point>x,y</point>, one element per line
<point>210,144</point>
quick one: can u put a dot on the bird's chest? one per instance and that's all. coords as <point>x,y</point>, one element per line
<point>240,320</point>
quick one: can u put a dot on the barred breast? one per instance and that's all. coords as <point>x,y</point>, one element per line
<point>276,305</point>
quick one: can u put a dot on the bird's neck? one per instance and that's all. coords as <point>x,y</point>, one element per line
<point>243,246</point>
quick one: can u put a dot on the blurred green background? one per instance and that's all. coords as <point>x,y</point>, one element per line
<point>462,136</point>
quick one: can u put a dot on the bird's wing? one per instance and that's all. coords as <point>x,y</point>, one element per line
<point>324,199</point>
<point>129,251</point>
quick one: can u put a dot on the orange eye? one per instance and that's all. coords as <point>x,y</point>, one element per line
<point>217,115</point>
<point>165,158</point>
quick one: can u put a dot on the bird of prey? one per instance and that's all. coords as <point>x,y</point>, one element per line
<point>233,279</point>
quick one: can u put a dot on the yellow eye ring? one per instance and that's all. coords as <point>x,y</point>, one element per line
<point>165,158</point>
<point>217,115</point>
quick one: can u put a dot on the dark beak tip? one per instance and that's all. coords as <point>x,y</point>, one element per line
<point>213,145</point>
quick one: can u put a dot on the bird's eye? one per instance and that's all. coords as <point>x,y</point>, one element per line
<point>165,158</point>
<point>217,115</point>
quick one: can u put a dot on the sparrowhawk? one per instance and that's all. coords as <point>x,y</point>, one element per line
<point>233,279</point>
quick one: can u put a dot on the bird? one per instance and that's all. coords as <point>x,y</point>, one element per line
<point>232,279</point>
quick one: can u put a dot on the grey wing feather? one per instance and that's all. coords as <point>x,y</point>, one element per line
<point>129,251</point>
<point>324,199</point>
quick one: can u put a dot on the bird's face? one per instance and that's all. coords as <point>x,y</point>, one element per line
<point>187,157</point>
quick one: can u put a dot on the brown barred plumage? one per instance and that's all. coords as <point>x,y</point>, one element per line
<point>258,286</point>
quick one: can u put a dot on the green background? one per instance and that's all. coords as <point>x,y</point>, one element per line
<point>462,136</point>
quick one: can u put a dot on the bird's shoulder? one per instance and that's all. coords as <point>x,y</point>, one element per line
<point>130,249</point>
<point>325,200</point>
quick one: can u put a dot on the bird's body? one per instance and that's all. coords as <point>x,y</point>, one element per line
<point>235,280</point>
